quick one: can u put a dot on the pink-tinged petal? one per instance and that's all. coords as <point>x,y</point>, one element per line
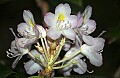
<point>91,26</point>
<point>30,41</point>
<point>63,8</point>
<point>25,30</point>
<point>53,33</point>
<point>28,17</point>
<point>23,42</point>
<point>79,19</point>
<point>87,13</point>
<point>80,22</point>
<point>94,57</point>
<point>32,67</point>
<point>42,32</point>
<point>81,67</point>
<point>88,40</point>
<point>49,19</point>
<point>73,20</point>
<point>21,29</point>
<point>69,33</point>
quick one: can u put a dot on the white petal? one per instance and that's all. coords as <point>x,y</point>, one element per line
<point>70,52</point>
<point>80,22</point>
<point>63,8</point>
<point>25,30</point>
<point>53,33</point>
<point>66,47</point>
<point>28,17</point>
<point>87,13</point>
<point>42,32</point>
<point>94,57</point>
<point>30,41</point>
<point>91,26</point>
<point>99,44</point>
<point>69,33</point>
<point>73,20</point>
<point>21,29</point>
<point>81,67</point>
<point>31,67</point>
<point>23,42</point>
<point>88,40</point>
<point>49,19</point>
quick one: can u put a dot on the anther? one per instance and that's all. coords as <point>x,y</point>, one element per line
<point>90,71</point>
<point>13,32</point>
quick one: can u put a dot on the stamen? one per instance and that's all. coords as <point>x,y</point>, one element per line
<point>101,33</point>
<point>13,32</point>
<point>10,55</point>
<point>90,71</point>
<point>100,51</point>
<point>84,60</point>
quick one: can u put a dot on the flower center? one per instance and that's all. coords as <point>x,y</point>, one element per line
<point>61,17</point>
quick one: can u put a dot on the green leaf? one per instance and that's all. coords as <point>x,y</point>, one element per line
<point>5,71</point>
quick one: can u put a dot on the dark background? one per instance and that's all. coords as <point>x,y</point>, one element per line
<point>106,13</point>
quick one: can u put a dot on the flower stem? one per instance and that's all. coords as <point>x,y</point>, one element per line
<point>43,45</point>
<point>73,62</point>
<point>59,49</point>
<point>36,59</point>
<point>63,60</point>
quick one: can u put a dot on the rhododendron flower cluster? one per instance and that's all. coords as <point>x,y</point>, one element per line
<point>64,33</point>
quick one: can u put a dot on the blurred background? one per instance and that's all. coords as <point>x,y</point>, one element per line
<point>106,13</point>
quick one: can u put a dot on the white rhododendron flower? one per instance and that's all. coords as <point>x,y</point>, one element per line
<point>92,49</point>
<point>61,22</point>
<point>62,44</point>
<point>31,66</point>
<point>79,66</point>
<point>30,29</point>
<point>87,26</point>
<point>18,49</point>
